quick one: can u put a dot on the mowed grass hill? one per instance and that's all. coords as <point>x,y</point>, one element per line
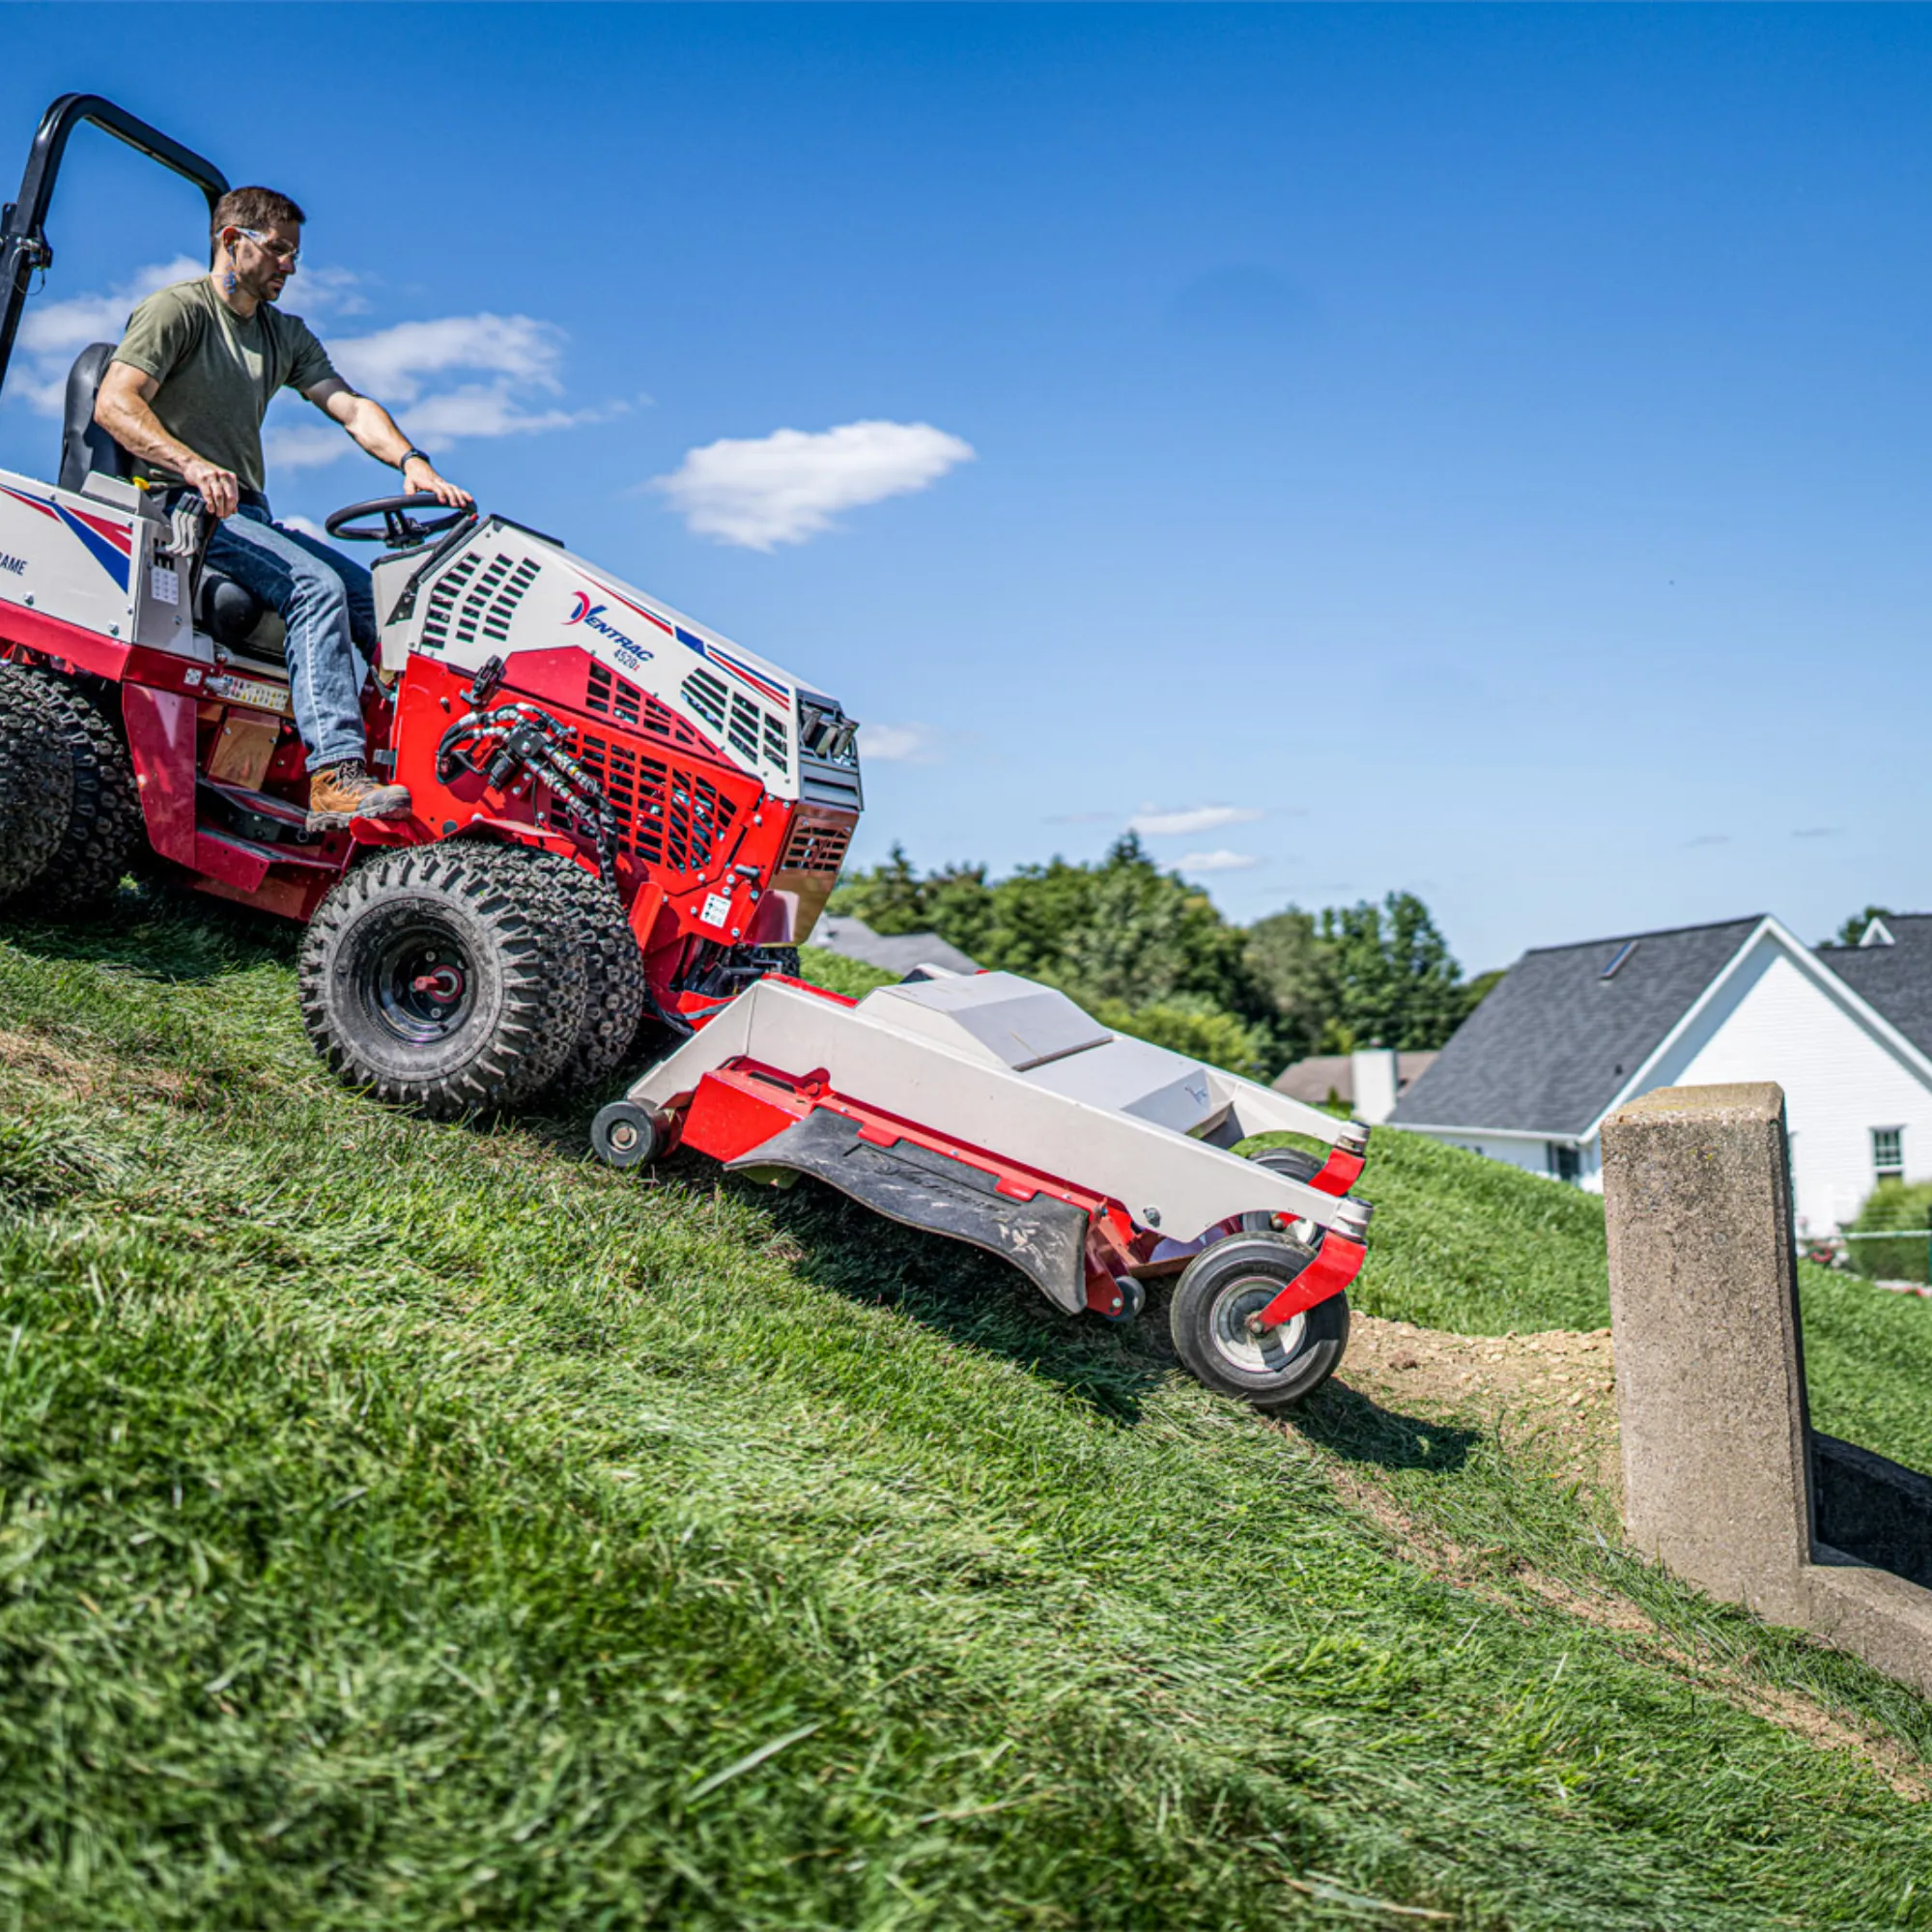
<point>418,1525</point>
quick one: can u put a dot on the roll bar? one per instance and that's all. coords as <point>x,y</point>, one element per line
<point>23,243</point>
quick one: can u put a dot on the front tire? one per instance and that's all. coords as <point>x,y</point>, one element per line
<point>614,989</point>
<point>1236,1278</point>
<point>445,978</point>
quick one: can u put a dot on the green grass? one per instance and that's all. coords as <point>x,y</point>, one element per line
<point>1471,1244</point>
<point>418,1525</point>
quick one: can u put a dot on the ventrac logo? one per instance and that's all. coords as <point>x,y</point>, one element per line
<point>629,650</point>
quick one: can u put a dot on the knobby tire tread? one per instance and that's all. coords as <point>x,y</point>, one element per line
<point>614,991</point>
<point>36,781</point>
<point>519,912</point>
<point>105,830</point>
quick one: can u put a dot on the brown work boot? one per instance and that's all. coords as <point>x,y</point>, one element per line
<point>345,791</point>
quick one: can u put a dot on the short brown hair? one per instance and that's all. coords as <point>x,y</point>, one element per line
<point>250,208</point>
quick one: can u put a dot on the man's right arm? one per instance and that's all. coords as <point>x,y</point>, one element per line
<point>122,408</point>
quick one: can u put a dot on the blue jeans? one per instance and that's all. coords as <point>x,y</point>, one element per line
<point>330,607</point>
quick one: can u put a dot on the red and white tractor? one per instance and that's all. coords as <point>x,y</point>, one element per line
<point>623,826</point>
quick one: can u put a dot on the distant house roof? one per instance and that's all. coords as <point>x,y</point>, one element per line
<point>1566,1029</point>
<point>1892,969</point>
<point>1315,1078</point>
<point>890,952</point>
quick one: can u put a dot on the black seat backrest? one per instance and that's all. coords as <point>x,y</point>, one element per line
<point>85,446</point>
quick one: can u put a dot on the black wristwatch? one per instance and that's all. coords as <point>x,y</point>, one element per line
<point>404,463</point>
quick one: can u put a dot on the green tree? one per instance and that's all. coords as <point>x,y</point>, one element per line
<point>1397,983</point>
<point>1475,991</point>
<point>1293,967</point>
<point>1853,928</point>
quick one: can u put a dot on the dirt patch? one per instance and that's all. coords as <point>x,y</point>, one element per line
<point>1555,1390</point>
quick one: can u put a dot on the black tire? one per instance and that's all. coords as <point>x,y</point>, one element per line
<point>1295,1165</point>
<point>1220,1288</point>
<point>489,930</point>
<point>624,1135</point>
<point>1289,1161</point>
<point>1133,1298</point>
<point>36,781</point>
<point>613,1004</point>
<point>105,830</point>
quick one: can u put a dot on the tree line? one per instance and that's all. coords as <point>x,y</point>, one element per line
<point>1150,954</point>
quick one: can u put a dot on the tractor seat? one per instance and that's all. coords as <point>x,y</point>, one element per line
<point>229,613</point>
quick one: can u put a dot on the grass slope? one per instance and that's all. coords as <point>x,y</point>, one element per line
<point>405,1525</point>
<point>1471,1244</point>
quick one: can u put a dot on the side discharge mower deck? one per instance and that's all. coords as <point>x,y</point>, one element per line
<point>623,826</point>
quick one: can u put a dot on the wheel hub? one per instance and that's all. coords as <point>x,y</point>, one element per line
<point>1266,1354</point>
<point>420,984</point>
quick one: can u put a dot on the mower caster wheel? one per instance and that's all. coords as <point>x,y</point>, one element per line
<point>1220,1288</point>
<point>1292,1164</point>
<point>1133,1298</point>
<point>624,1134</point>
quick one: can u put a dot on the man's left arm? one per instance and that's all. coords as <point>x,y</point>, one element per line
<point>375,429</point>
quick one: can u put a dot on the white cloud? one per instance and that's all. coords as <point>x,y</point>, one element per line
<point>306,525</point>
<point>897,744</point>
<point>52,333</point>
<point>393,364</point>
<point>786,486</point>
<point>1219,861</point>
<point>1153,823</point>
<point>506,359</point>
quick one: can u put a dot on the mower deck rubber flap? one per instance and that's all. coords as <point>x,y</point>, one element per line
<point>1045,1238</point>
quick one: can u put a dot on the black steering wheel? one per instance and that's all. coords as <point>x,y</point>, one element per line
<point>399,529</point>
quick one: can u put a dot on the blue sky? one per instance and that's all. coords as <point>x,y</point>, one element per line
<point>1480,451</point>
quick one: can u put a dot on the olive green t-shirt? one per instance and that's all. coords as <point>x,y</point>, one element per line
<point>218,374</point>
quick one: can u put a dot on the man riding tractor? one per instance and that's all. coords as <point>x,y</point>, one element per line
<point>184,396</point>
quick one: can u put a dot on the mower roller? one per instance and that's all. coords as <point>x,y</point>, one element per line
<point>623,826</point>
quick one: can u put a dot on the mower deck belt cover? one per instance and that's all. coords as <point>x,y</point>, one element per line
<point>1044,1237</point>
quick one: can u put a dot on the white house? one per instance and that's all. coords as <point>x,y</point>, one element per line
<point>1572,1032</point>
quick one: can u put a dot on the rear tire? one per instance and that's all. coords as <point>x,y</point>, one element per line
<point>613,1004</point>
<point>105,829</point>
<point>1220,1288</point>
<point>36,781</point>
<point>445,978</point>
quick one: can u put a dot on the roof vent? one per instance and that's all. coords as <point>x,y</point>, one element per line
<point>1617,959</point>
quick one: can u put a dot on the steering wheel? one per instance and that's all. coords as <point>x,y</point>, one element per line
<point>398,529</point>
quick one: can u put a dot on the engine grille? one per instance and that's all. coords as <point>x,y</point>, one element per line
<point>815,848</point>
<point>750,731</point>
<point>472,599</point>
<point>668,816</point>
<point>619,699</point>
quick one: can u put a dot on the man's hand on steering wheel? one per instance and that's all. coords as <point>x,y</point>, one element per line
<point>423,477</point>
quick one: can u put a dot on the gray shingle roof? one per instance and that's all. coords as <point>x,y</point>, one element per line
<point>890,952</point>
<point>1555,1041</point>
<point>1895,979</point>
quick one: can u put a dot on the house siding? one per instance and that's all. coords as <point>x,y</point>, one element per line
<point>1772,1021</point>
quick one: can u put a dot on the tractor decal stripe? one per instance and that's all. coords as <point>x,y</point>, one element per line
<point>751,677</point>
<point>107,542</point>
<point>111,560</point>
<point>649,617</point>
<point>32,502</point>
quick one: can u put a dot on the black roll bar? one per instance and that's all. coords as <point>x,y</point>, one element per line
<point>23,243</point>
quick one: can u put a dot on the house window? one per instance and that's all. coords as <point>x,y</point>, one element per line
<point>1566,1163</point>
<point>1889,1152</point>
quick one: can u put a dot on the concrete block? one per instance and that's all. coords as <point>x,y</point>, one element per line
<point>1720,1465</point>
<point>1704,1323</point>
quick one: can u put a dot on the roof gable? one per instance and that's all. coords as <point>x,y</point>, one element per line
<point>1557,1040</point>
